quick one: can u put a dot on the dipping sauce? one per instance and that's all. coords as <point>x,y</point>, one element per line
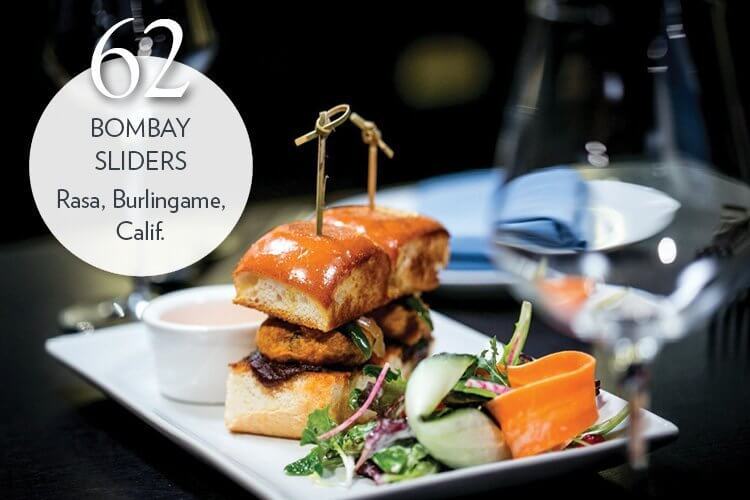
<point>214,313</point>
<point>194,335</point>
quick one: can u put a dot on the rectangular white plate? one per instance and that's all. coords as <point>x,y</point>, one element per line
<point>118,361</point>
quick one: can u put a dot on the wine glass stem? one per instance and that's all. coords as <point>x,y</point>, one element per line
<point>635,385</point>
<point>139,297</point>
<point>630,375</point>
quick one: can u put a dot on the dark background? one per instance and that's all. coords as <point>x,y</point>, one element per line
<point>282,63</point>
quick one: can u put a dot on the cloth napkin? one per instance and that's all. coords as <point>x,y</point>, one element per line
<point>463,202</point>
<point>546,208</point>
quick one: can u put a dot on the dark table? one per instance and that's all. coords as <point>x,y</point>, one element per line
<point>62,438</point>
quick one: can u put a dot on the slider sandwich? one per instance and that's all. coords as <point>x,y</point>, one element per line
<point>336,302</point>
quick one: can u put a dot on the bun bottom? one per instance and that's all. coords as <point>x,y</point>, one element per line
<point>281,409</point>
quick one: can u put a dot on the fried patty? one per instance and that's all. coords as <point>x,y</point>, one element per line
<point>281,341</point>
<point>401,324</point>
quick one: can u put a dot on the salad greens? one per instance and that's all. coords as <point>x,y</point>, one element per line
<point>479,394</point>
<point>437,420</point>
<point>512,351</point>
<point>488,362</point>
<point>404,461</point>
<point>391,393</point>
<point>328,454</point>
<point>603,428</point>
<point>387,443</point>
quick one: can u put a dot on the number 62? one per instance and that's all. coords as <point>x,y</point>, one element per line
<point>132,62</point>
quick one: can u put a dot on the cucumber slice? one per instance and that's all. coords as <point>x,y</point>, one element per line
<point>462,438</point>
<point>432,380</point>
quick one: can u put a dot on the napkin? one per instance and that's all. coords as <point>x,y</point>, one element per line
<point>463,202</point>
<point>546,208</point>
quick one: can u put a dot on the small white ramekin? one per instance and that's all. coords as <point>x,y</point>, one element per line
<point>192,361</point>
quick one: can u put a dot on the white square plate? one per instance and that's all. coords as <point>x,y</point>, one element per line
<point>118,360</point>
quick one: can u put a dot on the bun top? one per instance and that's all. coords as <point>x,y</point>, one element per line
<point>387,227</point>
<point>294,255</point>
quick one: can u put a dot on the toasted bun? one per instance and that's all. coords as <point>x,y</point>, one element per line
<point>281,409</point>
<point>320,282</point>
<point>416,245</point>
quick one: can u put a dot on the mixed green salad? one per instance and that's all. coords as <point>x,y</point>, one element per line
<point>443,418</point>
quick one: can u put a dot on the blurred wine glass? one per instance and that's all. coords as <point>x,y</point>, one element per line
<point>610,214</point>
<point>76,27</point>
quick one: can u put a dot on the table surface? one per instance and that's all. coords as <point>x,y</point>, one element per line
<point>63,438</point>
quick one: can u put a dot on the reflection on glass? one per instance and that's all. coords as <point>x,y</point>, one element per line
<point>667,250</point>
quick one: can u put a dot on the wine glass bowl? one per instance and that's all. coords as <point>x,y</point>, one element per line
<point>610,215</point>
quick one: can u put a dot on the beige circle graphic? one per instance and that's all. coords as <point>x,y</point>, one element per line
<point>141,186</point>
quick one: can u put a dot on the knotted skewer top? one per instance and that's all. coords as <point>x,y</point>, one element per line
<point>372,137</point>
<point>371,134</point>
<point>323,128</point>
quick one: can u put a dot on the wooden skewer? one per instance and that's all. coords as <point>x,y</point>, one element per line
<point>372,173</point>
<point>320,191</point>
<point>371,136</point>
<point>323,128</point>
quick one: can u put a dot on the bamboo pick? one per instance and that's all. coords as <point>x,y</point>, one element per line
<point>320,191</point>
<point>323,128</point>
<point>372,137</point>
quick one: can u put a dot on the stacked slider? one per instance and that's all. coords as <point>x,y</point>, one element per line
<point>417,247</point>
<point>336,302</point>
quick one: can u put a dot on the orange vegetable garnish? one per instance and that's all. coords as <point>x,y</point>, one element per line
<point>552,401</point>
<point>566,294</point>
